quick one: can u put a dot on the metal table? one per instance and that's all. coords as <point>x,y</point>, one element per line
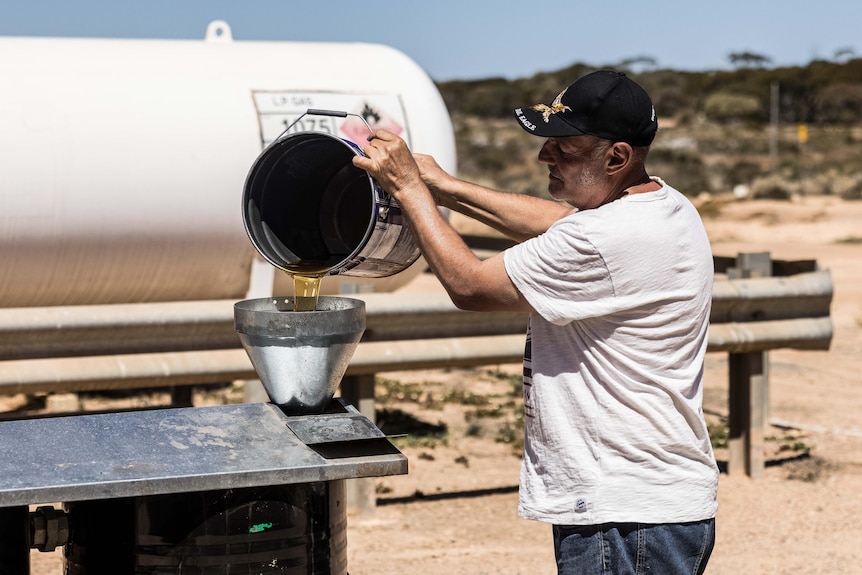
<point>142,453</point>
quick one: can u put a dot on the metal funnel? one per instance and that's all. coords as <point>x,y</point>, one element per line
<point>300,357</point>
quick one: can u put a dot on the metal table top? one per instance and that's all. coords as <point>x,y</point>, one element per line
<point>139,453</point>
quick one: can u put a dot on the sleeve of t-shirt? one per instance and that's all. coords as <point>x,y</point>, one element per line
<point>561,274</point>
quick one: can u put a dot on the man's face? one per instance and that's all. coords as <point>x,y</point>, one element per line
<point>576,170</point>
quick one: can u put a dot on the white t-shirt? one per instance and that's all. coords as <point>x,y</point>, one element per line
<point>614,365</point>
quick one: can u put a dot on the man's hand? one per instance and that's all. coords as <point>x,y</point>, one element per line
<point>436,178</point>
<point>388,160</point>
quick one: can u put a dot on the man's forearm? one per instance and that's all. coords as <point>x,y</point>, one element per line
<point>517,216</point>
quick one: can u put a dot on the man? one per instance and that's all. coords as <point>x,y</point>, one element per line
<point>617,278</point>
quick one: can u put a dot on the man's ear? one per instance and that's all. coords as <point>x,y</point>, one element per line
<point>619,158</point>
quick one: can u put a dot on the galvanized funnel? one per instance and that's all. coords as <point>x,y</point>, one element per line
<point>300,357</point>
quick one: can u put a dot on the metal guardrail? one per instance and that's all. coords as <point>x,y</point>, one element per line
<point>130,346</point>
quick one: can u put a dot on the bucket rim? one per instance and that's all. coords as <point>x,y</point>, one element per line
<point>375,190</point>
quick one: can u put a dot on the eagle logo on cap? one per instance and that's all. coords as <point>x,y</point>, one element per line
<point>555,107</point>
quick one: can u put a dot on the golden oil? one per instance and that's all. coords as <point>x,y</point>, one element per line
<point>306,291</point>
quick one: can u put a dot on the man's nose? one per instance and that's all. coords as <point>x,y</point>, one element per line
<point>546,156</point>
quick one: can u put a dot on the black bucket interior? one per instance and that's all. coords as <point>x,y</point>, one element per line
<point>307,207</point>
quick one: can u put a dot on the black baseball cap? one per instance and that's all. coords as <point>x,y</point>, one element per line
<point>605,104</point>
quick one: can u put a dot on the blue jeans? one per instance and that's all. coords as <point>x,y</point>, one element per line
<point>634,548</point>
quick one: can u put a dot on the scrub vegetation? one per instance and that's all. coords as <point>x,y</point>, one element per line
<point>763,133</point>
<point>427,409</point>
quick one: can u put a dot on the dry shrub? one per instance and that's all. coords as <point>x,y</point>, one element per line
<point>724,107</point>
<point>840,103</point>
<point>773,187</point>
<point>833,183</point>
<point>849,188</point>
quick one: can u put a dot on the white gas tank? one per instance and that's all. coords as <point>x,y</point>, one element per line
<point>122,162</point>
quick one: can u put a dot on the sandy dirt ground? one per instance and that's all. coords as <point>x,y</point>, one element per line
<point>455,511</point>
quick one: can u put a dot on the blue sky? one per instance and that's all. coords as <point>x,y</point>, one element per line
<point>467,40</point>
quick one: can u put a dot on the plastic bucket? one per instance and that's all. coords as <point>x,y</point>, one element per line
<point>308,210</point>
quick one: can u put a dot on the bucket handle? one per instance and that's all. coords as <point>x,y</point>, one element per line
<point>318,112</point>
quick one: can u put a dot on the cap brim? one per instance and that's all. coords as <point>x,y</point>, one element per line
<point>537,124</point>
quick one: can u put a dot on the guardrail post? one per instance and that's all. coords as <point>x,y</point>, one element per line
<point>181,395</point>
<point>747,402</point>
<point>748,393</point>
<point>358,391</point>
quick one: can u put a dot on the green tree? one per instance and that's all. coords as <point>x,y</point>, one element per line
<point>748,59</point>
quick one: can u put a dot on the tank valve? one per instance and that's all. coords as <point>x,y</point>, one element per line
<point>49,528</point>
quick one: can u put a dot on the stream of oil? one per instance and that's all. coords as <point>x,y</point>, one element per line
<point>307,276</point>
<point>306,291</point>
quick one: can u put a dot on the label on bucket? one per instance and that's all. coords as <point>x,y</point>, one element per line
<point>278,110</point>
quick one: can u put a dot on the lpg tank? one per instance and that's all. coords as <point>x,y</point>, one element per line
<point>122,162</point>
